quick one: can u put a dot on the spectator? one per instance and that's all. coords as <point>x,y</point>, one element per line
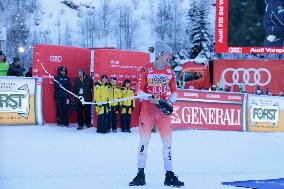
<point>281,93</point>
<point>274,23</point>
<point>213,88</point>
<point>191,85</point>
<point>267,92</point>
<point>101,94</point>
<point>83,87</point>
<point>29,73</point>
<point>15,69</point>
<point>180,84</point>
<point>127,106</point>
<point>61,97</point>
<point>115,93</point>
<point>258,91</point>
<point>4,65</point>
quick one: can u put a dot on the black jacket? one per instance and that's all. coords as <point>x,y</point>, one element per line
<point>87,85</point>
<point>59,92</point>
<point>15,70</point>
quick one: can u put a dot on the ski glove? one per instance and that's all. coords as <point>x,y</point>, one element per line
<point>165,107</point>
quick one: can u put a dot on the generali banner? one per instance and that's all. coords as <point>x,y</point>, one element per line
<point>20,101</point>
<point>249,74</point>
<point>265,113</point>
<point>209,110</point>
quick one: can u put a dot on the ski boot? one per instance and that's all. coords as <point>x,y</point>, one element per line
<point>172,180</point>
<point>139,180</point>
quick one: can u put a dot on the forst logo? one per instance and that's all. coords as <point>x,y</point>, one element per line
<point>16,101</point>
<point>264,113</point>
<point>11,101</point>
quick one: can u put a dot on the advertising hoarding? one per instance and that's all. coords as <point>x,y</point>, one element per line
<point>20,101</point>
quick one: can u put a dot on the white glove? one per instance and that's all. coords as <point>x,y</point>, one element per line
<point>143,96</point>
<point>271,38</point>
<point>82,99</point>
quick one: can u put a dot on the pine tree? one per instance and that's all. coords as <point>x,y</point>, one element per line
<point>199,31</point>
<point>18,30</point>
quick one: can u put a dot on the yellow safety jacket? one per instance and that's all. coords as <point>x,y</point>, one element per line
<point>101,94</point>
<point>127,105</point>
<point>115,93</point>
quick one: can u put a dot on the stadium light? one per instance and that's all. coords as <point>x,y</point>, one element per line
<point>21,49</point>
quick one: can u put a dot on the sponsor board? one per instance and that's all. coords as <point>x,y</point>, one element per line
<point>249,74</point>
<point>209,110</point>
<point>52,57</point>
<point>265,113</point>
<point>20,101</point>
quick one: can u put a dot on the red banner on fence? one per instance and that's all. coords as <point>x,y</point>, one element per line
<point>249,74</point>
<point>123,65</point>
<point>209,110</point>
<point>52,56</point>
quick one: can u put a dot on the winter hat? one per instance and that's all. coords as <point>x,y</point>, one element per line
<point>104,76</point>
<point>161,48</point>
<point>62,68</point>
<point>126,81</point>
<point>16,59</point>
<point>113,78</point>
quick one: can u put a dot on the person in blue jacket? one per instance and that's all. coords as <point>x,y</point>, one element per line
<point>62,97</point>
<point>274,23</point>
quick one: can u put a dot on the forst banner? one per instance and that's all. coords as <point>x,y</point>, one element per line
<point>249,26</point>
<point>265,113</point>
<point>249,74</point>
<point>209,110</point>
<point>20,101</point>
<point>51,57</point>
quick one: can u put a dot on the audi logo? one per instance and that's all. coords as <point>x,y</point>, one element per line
<point>257,74</point>
<point>235,49</point>
<point>55,58</point>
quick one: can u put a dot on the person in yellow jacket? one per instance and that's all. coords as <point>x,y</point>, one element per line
<point>127,106</point>
<point>4,65</point>
<point>115,93</point>
<point>101,94</point>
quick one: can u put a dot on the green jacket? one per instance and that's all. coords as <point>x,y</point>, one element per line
<point>4,66</point>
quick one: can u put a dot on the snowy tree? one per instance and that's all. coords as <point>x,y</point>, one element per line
<point>68,40</point>
<point>164,20</point>
<point>199,31</point>
<point>127,27</point>
<point>18,30</point>
<point>88,27</point>
<point>105,13</point>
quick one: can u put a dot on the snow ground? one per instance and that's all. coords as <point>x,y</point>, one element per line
<point>51,157</point>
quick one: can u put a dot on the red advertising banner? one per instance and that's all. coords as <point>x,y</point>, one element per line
<point>52,56</point>
<point>249,74</point>
<point>123,65</point>
<point>209,110</point>
<point>237,32</point>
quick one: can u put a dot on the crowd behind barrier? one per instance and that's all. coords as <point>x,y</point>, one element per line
<point>13,69</point>
<point>215,87</point>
